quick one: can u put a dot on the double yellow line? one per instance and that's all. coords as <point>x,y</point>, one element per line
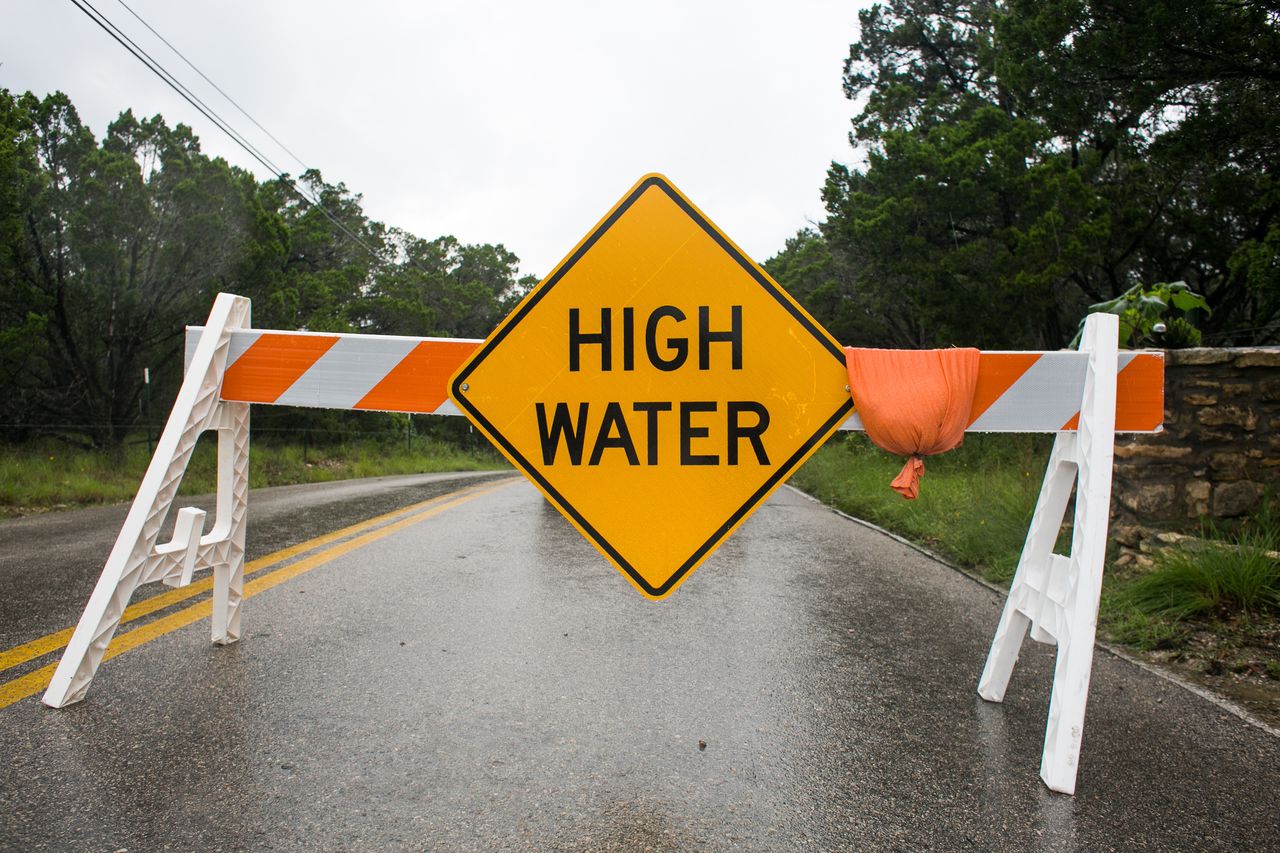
<point>348,539</point>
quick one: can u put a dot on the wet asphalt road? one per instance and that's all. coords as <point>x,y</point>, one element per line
<point>482,679</point>
<point>50,563</point>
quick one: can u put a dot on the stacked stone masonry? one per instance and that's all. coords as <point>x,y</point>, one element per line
<point>1220,449</point>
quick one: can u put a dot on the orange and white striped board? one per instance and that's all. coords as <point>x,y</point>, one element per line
<point>1016,391</point>
<point>380,373</point>
<point>1041,392</point>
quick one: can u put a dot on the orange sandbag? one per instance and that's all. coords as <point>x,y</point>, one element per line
<point>914,403</point>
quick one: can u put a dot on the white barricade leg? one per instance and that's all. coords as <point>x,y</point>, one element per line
<point>1033,566</point>
<point>136,557</point>
<point>1057,596</point>
<point>227,561</point>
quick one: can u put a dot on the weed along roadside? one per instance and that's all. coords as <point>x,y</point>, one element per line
<point>54,475</point>
<point>1202,604</point>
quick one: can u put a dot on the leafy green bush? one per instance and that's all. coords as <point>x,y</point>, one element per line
<point>1146,315</point>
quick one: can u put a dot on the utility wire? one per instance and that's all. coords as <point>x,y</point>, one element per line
<point>156,68</point>
<point>208,112</point>
<point>218,88</point>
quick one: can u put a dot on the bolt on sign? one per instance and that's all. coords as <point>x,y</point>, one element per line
<point>657,386</point>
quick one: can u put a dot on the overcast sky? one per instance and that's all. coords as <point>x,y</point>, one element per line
<point>497,122</point>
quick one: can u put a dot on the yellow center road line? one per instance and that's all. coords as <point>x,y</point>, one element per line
<point>42,646</point>
<point>52,642</point>
<point>37,680</point>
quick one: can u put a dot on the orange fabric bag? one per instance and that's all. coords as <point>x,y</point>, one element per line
<point>914,403</point>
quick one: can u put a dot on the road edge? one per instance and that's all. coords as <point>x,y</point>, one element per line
<point>1220,701</point>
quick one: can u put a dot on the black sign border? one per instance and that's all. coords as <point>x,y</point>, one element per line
<point>530,471</point>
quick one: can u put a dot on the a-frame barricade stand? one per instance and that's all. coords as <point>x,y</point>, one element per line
<point>1057,596</point>
<point>137,558</point>
<point>1054,595</point>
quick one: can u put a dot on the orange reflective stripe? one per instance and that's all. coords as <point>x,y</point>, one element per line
<point>1140,394</point>
<point>271,365</point>
<point>419,383</point>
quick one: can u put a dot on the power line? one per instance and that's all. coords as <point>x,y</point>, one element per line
<point>206,79</point>
<point>208,112</point>
<point>156,68</point>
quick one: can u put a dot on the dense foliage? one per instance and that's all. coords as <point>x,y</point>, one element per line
<point>1024,159</point>
<point>1018,162</point>
<point>109,247</point>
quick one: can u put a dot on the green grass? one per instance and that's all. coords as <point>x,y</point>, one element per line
<point>974,505</point>
<point>1202,580</point>
<point>1224,581</point>
<point>1220,593</point>
<point>47,475</point>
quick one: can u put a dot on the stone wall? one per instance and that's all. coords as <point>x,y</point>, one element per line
<point>1220,449</point>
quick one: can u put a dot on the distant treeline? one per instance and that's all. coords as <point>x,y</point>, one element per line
<point>1025,159</point>
<point>109,247</point>
<point>1018,161</point>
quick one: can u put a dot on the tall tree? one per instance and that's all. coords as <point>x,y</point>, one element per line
<point>818,275</point>
<point>108,248</point>
<point>1025,159</point>
<point>122,244</point>
<point>956,226</point>
<point>331,252</point>
<point>22,318</point>
<point>443,288</point>
<point>1176,102</point>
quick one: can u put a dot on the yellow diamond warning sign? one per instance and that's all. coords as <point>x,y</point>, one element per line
<point>657,386</point>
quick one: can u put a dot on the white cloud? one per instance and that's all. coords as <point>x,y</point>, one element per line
<point>502,122</point>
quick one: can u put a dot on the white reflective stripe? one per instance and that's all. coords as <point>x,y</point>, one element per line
<point>1044,398</point>
<point>240,343</point>
<point>854,422</point>
<point>241,340</point>
<point>447,408</point>
<point>189,346</point>
<point>347,371</point>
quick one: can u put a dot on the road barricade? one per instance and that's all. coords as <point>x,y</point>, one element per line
<point>1082,396</point>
